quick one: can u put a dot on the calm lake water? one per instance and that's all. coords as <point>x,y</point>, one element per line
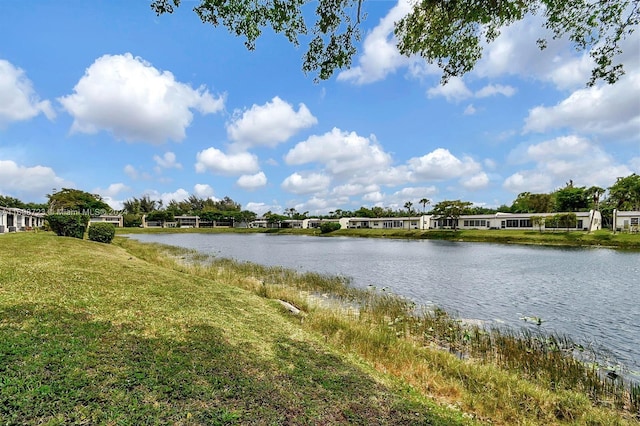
<point>590,294</point>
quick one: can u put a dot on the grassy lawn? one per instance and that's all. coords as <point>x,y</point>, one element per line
<point>90,333</point>
<point>133,333</point>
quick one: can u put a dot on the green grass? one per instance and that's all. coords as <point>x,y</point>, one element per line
<point>95,334</point>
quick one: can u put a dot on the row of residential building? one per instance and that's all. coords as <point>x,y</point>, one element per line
<point>12,219</point>
<point>585,221</point>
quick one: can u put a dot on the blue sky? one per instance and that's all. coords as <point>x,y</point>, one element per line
<point>106,97</point>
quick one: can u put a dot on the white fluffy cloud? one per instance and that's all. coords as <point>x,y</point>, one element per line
<point>351,189</point>
<point>252,182</point>
<point>216,161</point>
<point>18,99</point>
<point>28,182</point>
<point>128,97</point>
<point>203,190</point>
<point>340,152</point>
<point>456,90</point>
<point>307,183</point>
<point>112,190</point>
<point>610,110</point>
<point>166,197</point>
<point>440,164</point>
<point>262,208</point>
<point>167,161</point>
<point>475,182</point>
<point>530,181</point>
<point>380,55</point>
<point>515,52</point>
<point>559,160</point>
<point>268,124</point>
<point>495,89</point>
<point>564,146</point>
<point>108,195</point>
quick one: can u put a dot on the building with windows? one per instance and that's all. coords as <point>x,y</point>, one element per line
<point>409,222</point>
<point>584,221</point>
<point>626,221</point>
<point>115,220</point>
<point>14,220</point>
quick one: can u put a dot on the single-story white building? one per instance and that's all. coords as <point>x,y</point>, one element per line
<point>115,220</point>
<point>628,221</point>
<point>409,222</point>
<point>591,221</point>
<point>13,219</point>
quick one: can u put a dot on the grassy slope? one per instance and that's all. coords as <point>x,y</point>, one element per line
<point>90,333</point>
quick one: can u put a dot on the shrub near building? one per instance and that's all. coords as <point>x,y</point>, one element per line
<point>102,232</point>
<point>68,225</point>
<point>327,227</point>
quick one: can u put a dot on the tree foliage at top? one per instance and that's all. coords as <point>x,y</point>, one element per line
<point>625,193</point>
<point>12,202</point>
<point>451,209</point>
<point>77,200</point>
<point>449,33</point>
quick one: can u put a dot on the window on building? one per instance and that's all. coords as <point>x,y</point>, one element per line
<point>512,223</point>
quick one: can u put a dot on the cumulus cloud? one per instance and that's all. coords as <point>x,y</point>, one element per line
<point>167,161</point>
<point>515,52</point>
<point>128,97</point>
<point>18,99</point>
<point>440,164</point>
<point>203,190</point>
<point>495,89</point>
<point>559,160</point>
<point>475,182</point>
<point>340,152</point>
<point>166,197</point>
<point>262,208</point>
<point>571,146</point>
<point>112,190</point>
<point>380,55</point>
<point>306,183</point>
<point>268,124</point>
<point>252,182</point>
<point>351,189</point>
<point>29,182</point>
<point>531,181</point>
<point>216,161</point>
<point>610,110</point>
<point>455,90</point>
<point>373,197</point>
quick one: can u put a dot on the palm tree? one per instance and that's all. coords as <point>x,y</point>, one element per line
<point>408,205</point>
<point>424,202</point>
